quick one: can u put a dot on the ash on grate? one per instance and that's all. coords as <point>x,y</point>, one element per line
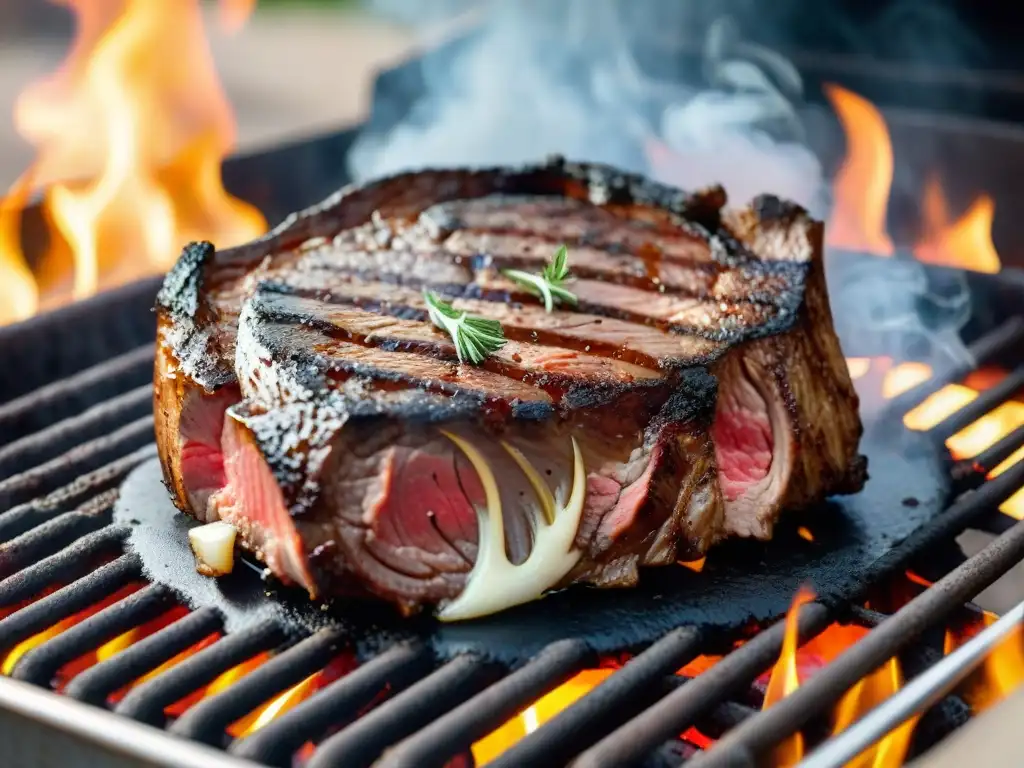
<point>742,581</point>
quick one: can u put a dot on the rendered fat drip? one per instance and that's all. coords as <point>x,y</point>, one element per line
<point>495,583</point>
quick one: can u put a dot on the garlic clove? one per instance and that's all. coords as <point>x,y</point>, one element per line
<point>214,548</point>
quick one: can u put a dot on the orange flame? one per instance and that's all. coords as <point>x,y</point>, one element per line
<point>861,186</point>
<point>795,664</point>
<point>784,678</point>
<point>278,705</point>
<point>15,654</point>
<point>861,198</point>
<point>1002,672</point>
<point>966,242</point>
<point>538,713</point>
<point>864,696</point>
<point>128,150</point>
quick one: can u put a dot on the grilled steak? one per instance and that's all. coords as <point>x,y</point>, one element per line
<point>697,389</point>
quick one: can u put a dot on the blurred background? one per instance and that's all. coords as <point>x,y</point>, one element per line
<point>295,68</point>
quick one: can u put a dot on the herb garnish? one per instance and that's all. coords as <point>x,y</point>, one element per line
<point>474,337</point>
<point>548,284</point>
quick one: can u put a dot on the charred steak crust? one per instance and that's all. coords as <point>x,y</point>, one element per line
<point>302,394</point>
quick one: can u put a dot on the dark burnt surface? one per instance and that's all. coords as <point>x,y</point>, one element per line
<point>856,542</point>
<point>184,302</point>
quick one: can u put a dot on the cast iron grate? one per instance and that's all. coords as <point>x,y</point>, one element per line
<point>64,451</point>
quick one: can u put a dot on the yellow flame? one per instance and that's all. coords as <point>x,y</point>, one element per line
<point>965,243</point>
<point>867,694</point>
<point>274,708</point>
<point>535,715</point>
<point>785,679</point>
<point>128,150</point>
<point>861,186</point>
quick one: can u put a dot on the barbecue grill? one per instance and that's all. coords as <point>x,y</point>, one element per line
<point>110,667</point>
<point>76,421</point>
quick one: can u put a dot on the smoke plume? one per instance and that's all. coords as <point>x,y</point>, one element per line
<point>602,81</point>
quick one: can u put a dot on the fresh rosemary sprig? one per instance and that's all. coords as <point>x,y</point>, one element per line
<point>548,284</point>
<point>474,337</point>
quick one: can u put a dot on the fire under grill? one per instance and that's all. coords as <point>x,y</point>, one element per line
<point>106,667</point>
<point>106,660</point>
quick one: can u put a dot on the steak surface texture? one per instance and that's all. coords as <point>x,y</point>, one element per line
<point>695,391</point>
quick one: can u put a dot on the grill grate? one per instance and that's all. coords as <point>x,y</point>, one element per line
<point>67,447</point>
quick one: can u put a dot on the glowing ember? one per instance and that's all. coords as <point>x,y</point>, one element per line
<point>976,437</point>
<point>861,186</point>
<point>894,380</point>
<point>904,377</point>
<point>805,533</point>
<point>128,152</point>
<point>294,696</point>
<point>538,713</point>
<point>694,565</point>
<point>25,646</point>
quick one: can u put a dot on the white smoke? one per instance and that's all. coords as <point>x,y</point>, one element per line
<point>560,77</point>
<point>537,77</point>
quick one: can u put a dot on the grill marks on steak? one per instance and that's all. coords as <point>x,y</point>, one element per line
<point>321,329</point>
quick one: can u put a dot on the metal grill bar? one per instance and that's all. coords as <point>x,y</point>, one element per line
<point>680,709</point>
<point>80,460</point>
<point>50,537</point>
<point>982,404</point>
<point>98,421</point>
<point>146,702</point>
<point>362,742</point>
<point>609,704</point>
<point>40,664</point>
<point>70,563</point>
<point>669,716</point>
<point>741,746</point>
<point>392,671</point>
<point>866,616</point>
<point>919,694</point>
<point>35,723</point>
<point>972,472</point>
<point>27,516</point>
<point>207,720</point>
<point>474,719</point>
<point>69,600</point>
<point>95,684</point>
<point>722,718</point>
<point>1006,336</point>
<point>65,398</point>
<point>44,523</point>
<point>969,508</point>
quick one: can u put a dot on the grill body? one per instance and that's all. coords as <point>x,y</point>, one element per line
<point>75,419</point>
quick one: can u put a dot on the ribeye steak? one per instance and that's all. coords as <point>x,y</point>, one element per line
<point>697,388</point>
